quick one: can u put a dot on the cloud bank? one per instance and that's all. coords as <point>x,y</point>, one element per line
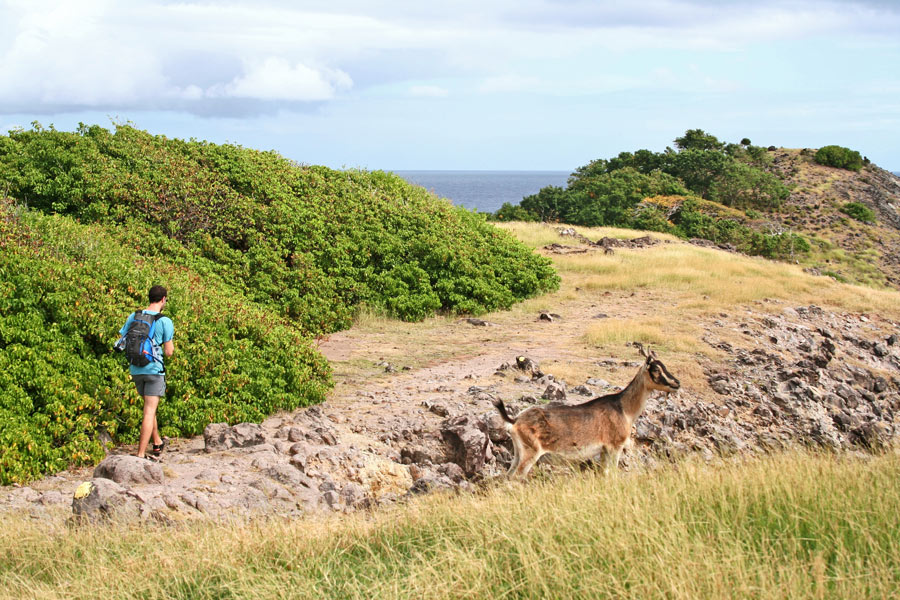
<point>242,58</point>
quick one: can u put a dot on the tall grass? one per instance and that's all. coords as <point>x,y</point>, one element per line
<point>787,526</point>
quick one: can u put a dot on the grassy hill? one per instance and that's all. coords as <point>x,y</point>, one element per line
<point>842,221</point>
<point>859,246</point>
<point>260,255</point>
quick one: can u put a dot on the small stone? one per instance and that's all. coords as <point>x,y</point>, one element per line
<point>331,498</point>
<point>439,409</point>
<point>554,392</point>
<point>299,461</point>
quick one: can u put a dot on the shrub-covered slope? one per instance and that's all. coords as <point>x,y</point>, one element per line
<point>310,240</point>
<point>259,254</point>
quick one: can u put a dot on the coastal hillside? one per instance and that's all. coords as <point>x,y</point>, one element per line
<point>260,255</point>
<point>828,209</point>
<point>773,469</point>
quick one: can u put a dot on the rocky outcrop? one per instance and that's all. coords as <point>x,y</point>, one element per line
<point>221,436</point>
<point>468,443</point>
<point>127,470</point>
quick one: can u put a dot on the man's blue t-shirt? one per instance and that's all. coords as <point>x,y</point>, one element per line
<point>162,333</point>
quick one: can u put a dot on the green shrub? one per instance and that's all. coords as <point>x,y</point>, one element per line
<point>651,218</point>
<point>596,198</point>
<point>840,157</point>
<point>66,289</point>
<point>692,223</point>
<point>510,212</point>
<point>859,211</point>
<point>743,186</point>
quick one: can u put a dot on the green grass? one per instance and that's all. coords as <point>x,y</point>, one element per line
<point>787,526</point>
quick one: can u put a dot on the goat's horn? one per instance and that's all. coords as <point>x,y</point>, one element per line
<point>640,348</point>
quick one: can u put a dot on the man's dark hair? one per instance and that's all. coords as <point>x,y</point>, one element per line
<point>157,293</point>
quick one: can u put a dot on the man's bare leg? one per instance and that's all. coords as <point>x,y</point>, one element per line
<point>157,439</point>
<point>148,425</point>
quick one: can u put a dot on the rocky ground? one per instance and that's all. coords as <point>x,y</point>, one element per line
<point>776,375</point>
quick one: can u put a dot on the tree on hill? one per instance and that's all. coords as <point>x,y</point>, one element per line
<point>840,157</point>
<point>697,139</point>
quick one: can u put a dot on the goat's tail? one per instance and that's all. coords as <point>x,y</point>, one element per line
<point>498,404</point>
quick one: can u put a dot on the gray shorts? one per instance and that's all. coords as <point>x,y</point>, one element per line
<point>150,385</point>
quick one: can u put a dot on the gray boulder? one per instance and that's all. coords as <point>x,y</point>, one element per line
<point>125,469</point>
<point>100,499</point>
<point>555,392</point>
<point>467,440</point>
<point>222,436</point>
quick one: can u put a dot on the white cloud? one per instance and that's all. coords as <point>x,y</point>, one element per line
<point>277,79</point>
<point>428,91</point>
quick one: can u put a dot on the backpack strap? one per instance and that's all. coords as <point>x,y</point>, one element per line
<point>155,317</point>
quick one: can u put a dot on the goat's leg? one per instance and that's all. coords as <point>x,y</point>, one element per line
<point>517,457</point>
<point>611,460</point>
<point>527,461</point>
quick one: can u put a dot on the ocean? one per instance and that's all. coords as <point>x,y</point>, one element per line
<point>485,191</point>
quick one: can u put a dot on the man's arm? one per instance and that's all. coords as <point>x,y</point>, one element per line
<point>168,346</point>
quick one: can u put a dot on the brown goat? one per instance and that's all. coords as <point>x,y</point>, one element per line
<point>579,432</point>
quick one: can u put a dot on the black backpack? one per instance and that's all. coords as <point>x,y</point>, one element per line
<point>140,349</point>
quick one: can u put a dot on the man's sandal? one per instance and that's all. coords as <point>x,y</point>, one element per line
<point>158,448</point>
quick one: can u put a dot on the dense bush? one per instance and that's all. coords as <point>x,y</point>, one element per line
<point>259,254</point>
<point>600,198</point>
<point>66,289</point>
<point>840,157</point>
<point>859,211</point>
<point>690,222</point>
<point>312,241</point>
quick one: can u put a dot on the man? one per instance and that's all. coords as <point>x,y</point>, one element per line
<point>150,380</point>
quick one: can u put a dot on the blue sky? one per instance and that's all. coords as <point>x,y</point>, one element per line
<point>505,84</point>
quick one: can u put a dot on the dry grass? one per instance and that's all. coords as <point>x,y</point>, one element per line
<point>788,526</point>
<point>702,279</point>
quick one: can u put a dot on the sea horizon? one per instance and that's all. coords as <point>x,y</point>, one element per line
<point>484,190</point>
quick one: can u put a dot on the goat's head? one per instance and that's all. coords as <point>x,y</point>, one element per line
<point>657,374</point>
